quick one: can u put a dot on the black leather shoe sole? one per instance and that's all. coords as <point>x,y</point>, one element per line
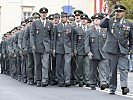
<point>60,85</point>
<point>103,86</point>
<point>93,88</point>
<point>67,85</point>
<point>81,84</point>
<point>125,91</point>
<point>38,84</point>
<point>112,92</point>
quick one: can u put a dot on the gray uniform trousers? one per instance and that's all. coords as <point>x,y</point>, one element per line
<point>38,68</point>
<point>120,61</point>
<point>83,69</point>
<point>98,72</point>
<point>67,67</point>
<point>87,69</point>
<point>30,68</point>
<point>24,66</point>
<point>63,67</point>
<point>80,69</point>
<point>45,66</point>
<point>73,71</point>
<point>19,66</point>
<point>60,68</point>
<point>41,66</point>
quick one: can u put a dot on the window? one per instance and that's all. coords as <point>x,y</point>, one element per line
<point>26,15</point>
<point>26,11</point>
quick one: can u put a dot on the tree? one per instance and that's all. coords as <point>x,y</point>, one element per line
<point>127,3</point>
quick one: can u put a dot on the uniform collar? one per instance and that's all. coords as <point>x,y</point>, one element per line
<point>43,21</point>
<point>64,24</point>
<point>84,26</point>
<point>78,23</point>
<point>97,27</point>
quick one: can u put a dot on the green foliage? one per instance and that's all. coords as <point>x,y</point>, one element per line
<point>127,3</point>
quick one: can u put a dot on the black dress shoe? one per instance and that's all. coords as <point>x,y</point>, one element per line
<point>103,86</point>
<point>125,90</point>
<point>28,82</point>
<point>81,84</point>
<point>73,82</point>
<point>87,85</point>
<point>31,83</point>
<point>67,84</point>
<point>93,87</point>
<point>60,84</point>
<point>38,84</point>
<point>24,81</point>
<point>53,83</point>
<point>44,84</point>
<point>112,92</point>
<point>19,79</point>
<point>107,85</point>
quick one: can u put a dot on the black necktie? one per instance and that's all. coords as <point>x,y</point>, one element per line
<point>78,24</point>
<point>84,28</point>
<point>97,30</point>
<point>43,23</point>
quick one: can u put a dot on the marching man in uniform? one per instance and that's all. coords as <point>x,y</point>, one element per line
<point>120,31</point>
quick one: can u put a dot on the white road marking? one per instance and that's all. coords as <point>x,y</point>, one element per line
<point>107,91</point>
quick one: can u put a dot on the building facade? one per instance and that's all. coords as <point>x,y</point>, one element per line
<point>12,12</point>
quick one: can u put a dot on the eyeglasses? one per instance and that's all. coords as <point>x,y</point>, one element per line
<point>120,11</point>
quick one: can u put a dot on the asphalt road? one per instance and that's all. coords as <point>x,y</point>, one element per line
<point>11,89</point>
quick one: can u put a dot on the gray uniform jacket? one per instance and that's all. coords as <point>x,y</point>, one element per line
<point>27,39</point>
<point>94,42</point>
<point>20,40</point>
<point>79,40</point>
<point>63,38</point>
<point>42,36</point>
<point>118,35</point>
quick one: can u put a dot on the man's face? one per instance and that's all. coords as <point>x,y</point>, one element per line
<point>119,14</point>
<point>36,18</point>
<point>77,18</point>
<point>72,21</point>
<point>56,20</point>
<point>97,21</point>
<point>63,19</point>
<point>8,36</point>
<point>30,23</point>
<point>52,20</point>
<point>84,21</point>
<point>43,15</point>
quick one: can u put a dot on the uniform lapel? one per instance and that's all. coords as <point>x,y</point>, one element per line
<point>41,24</point>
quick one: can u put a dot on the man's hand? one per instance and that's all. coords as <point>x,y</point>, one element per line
<point>20,52</point>
<point>4,56</point>
<point>112,14</point>
<point>75,52</point>
<point>33,48</point>
<point>15,55</point>
<point>90,55</point>
<point>0,55</point>
<point>54,53</point>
